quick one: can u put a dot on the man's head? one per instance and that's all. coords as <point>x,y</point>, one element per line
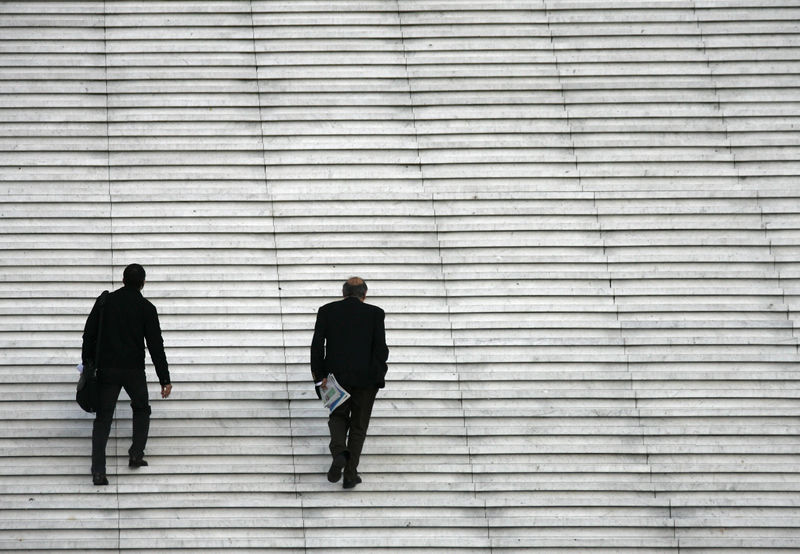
<point>355,287</point>
<point>134,276</point>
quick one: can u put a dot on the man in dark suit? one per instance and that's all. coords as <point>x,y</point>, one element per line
<point>128,320</point>
<point>350,342</point>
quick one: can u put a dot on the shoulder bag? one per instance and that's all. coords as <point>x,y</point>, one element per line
<point>86,395</point>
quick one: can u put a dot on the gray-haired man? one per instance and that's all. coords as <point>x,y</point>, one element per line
<point>350,342</point>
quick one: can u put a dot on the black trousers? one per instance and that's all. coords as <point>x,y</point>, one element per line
<point>348,426</point>
<point>109,384</point>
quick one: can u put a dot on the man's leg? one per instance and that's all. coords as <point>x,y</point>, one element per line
<point>136,386</point>
<point>361,401</point>
<point>107,393</point>
<point>339,424</point>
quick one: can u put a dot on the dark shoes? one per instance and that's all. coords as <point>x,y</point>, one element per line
<point>335,471</point>
<point>99,479</point>
<point>136,463</point>
<point>348,484</point>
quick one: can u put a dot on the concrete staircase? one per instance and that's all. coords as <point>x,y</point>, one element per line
<point>582,219</point>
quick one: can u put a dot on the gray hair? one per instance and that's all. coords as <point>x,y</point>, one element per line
<point>355,287</point>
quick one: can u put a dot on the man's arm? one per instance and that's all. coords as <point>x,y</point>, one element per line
<point>318,348</point>
<point>155,345</point>
<point>380,352</point>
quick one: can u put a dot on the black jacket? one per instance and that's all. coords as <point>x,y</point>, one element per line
<point>350,342</point>
<point>128,320</point>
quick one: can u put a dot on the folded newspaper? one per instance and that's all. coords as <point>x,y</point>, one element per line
<point>333,395</point>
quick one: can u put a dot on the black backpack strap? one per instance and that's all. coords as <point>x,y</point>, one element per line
<point>101,303</point>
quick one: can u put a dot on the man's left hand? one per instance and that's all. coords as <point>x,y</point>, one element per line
<point>322,385</point>
<point>165,390</point>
